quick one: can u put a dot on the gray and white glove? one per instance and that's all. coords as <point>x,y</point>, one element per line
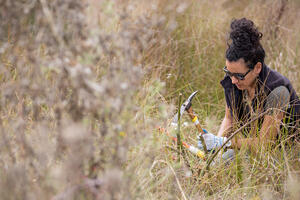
<point>212,141</point>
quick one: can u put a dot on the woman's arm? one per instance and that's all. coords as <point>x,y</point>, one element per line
<point>226,123</point>
<point>268,132</point>
<point>277,100</point>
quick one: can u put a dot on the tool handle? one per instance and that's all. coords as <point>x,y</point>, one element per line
<point>195,120</point>
<point>198,126</point>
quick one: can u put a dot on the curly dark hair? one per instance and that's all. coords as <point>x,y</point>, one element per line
<point>245,43</point>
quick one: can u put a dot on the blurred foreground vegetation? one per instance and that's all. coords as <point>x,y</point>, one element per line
<point>85,84</point>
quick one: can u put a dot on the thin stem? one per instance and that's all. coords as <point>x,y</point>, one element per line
<point>174,173</point>
<point>179,145</point>
<point>211,158</point>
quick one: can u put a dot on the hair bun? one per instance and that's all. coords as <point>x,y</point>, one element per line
<point>244,34</point>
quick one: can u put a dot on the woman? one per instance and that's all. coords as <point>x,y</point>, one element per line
<point>251,88</point>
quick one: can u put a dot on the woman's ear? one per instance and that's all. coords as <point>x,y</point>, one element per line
<point>257,68</point>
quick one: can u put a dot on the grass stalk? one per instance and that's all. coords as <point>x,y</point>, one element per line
<point>179,144</point>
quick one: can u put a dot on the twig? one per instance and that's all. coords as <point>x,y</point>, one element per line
<point>286,162</point>
<point>179,145</point>
<point>211,158</point>
<point>184,154</point>
<point>173,171</point>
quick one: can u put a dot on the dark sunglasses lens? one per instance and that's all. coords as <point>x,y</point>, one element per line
<point>240,77</point>
<point>237,76</point>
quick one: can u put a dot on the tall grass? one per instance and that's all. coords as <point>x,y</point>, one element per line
<point>193,60</point>
<point>85,84</point>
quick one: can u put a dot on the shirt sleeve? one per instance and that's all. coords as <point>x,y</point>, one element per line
<point>278,98</point>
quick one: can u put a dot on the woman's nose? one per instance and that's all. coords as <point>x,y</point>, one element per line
<point>234,80</point>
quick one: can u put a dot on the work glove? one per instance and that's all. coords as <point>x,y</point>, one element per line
<point>212,141</point>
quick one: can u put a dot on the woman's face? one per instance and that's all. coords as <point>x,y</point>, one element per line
<point>239,67</point>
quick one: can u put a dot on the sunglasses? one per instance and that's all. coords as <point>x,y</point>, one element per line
<point>238,76</point>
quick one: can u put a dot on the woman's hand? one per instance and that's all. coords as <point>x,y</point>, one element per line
<point>212,141</point>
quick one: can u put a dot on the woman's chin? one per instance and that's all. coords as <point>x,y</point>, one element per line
<point>240,87</point>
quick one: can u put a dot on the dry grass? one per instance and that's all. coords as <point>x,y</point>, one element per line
<point>84,84</point>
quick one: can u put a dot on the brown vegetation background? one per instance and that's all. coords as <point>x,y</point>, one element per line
<point>84,85</point>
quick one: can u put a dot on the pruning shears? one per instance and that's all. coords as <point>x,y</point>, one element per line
<point>187,106</point>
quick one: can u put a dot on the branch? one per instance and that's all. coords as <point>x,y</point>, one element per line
<point>173,171</point>
<point>229,138</point>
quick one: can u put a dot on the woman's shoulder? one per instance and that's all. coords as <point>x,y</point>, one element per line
<point>272,79</point>
<point>278,98</point>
